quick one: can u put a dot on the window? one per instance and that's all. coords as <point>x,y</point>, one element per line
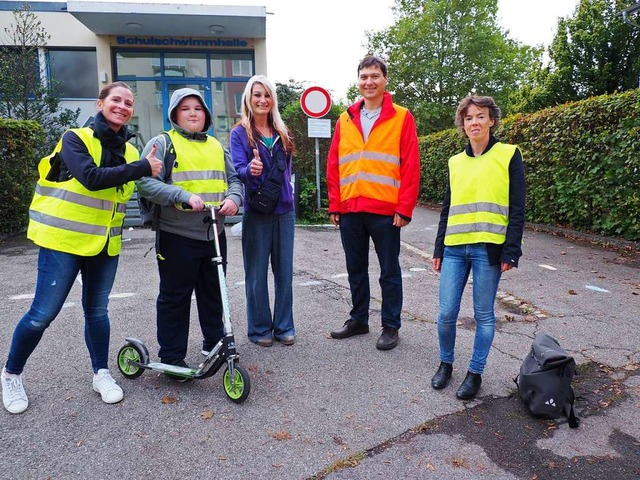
<point>242,68</point>
<point>74,73</point>
<point>238,102</point>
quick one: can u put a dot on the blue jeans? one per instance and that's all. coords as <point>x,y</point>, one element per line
<point>56,273</point>
<point>355,230</point>
<point>268,238</point>
<point>457,262</point>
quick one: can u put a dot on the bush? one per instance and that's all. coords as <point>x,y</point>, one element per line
<point>19,172</point>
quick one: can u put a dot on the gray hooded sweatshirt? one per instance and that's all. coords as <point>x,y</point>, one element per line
<point>161,191</point>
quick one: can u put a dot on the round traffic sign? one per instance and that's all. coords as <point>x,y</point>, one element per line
<point>315,102</point>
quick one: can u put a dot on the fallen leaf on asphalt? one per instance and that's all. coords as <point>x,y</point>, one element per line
<point>169,400</point>
<point>431,467</point>
<point>277,465</point>
<point>631,368</point>
<point>284,435</point>
<point>572,292</point>
<point>207,414</point>
<point>458,462</point>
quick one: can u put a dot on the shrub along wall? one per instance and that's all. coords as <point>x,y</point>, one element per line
<point>19,172</point>
<point>582,164</point>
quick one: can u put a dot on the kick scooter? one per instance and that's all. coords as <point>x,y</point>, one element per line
<point>133,357</point>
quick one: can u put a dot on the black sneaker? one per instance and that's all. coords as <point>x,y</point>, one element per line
<point>350,328</point>
<point>388,339</point>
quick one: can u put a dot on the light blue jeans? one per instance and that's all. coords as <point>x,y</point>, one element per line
<point>457,262</point>
<point>56,273</point>
<point>268,239</point>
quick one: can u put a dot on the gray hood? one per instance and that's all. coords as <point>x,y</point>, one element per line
<point>177,97</point>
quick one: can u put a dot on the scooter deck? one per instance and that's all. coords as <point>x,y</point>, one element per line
<point>163,367</point>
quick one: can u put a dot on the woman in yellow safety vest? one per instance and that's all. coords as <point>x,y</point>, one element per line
<point>480,231</point>
<point>76,219</point>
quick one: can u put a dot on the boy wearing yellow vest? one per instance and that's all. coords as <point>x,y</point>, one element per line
<point>202,173</point>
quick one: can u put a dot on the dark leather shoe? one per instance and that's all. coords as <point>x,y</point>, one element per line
<point>349,329</point>
<point>442,376</point>
<point>388,339</point>
<point>470,386</point>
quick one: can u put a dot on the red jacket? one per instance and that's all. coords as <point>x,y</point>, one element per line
<point>409,167</point>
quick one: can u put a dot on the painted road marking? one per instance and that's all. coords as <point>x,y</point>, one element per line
<point>548,267</point>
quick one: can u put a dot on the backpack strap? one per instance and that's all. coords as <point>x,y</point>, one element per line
<point>574,422</point>
<point>169,160</point>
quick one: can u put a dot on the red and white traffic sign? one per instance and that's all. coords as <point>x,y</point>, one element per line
<point>315,102</point>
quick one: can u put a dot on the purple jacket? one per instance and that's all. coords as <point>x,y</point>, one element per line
<point>242,154</point>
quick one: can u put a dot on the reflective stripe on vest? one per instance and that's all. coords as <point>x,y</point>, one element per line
<point>67,217</point>
<point>479,209</point>
<point>199,167</point>
<point>371,169</point>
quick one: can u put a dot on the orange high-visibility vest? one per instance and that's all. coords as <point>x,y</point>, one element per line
<point>371,169</point>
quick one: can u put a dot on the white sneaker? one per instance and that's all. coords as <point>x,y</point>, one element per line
<point>14,397</point>
<point>106,386</point>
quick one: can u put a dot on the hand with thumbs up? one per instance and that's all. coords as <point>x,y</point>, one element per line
<point>154,162</point>
<point>255,166</point>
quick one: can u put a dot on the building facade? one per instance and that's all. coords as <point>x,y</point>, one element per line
<point>154,48</point>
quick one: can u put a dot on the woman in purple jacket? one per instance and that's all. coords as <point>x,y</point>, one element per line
<point>259,138</point>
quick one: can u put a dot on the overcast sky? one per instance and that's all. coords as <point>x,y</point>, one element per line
<point>321,42</point>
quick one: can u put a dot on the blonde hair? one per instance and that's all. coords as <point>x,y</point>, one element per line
<point>247,120</point>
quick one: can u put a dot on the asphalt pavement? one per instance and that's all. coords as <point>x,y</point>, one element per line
<point>338,409</point>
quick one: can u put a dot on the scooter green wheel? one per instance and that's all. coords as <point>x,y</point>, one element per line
<point>237,389</point>
<point>128,354</point>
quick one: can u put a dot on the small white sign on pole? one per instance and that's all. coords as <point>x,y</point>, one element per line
<point>319,128</point>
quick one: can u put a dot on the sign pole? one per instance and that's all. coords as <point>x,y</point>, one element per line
<point>318,171</point>
<point>316,103</point>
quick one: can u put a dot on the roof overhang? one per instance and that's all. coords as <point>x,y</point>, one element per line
<point>166,19</point>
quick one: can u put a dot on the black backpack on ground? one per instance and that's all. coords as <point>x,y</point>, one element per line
<point>545,378</point>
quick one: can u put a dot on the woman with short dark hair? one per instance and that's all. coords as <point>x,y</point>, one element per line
<point>480,231</point>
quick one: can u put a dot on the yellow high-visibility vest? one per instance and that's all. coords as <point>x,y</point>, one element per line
<point>199,167</point>
<point>479,209</point>
<point>67,217</point>
<point>371,169</point>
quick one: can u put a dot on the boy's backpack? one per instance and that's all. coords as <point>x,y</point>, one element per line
<point>545,378</point>
<point>149,211</point>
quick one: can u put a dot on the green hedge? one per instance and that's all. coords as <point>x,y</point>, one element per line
<point>582,164</point>
<point>18,175</point>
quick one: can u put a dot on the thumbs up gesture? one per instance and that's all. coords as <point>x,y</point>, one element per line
<point>154,162</point>
<point>255,166</point>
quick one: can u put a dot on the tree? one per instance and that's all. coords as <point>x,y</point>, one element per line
<point>24,91</point>
<point>593,53</point>
<point>439,51</point>
<point>289,93</point>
